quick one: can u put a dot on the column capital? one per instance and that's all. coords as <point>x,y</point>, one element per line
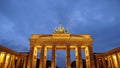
<point>53,44</point>
<point>68,44</point>
<point>78,45</point>
<point>31,45</point>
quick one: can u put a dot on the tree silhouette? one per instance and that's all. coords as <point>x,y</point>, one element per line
<point>73,64</point>
<point>48,64</point>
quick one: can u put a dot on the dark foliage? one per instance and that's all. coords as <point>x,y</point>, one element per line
<point>73,64</point>
<point>48,64</point>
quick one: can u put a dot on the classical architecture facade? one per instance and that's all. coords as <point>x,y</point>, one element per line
<point>12,59</point>
<point>60,39</point>
<point>110,59</point>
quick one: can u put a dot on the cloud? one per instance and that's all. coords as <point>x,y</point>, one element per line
<point>20,19</point>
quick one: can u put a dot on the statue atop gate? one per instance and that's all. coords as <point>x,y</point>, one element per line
<point>61,29</point>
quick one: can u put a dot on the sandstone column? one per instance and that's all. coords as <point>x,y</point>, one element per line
<point>117,56</point>
<point>25,59</point>
<point>90,57</point>
<point>112,61</point>
<point>0,57</point>
<point>32,57</point>
<point>18,62</point>
<point>13,62</point>
<point>68,63</point>
<point>109,62</point>
<point>97,62</point>
<point>104,62</point>
<point>53,64</point>
<point>42,58</point>
<point>9,61</point>
<point>4,59</point>
<point>79,63</point>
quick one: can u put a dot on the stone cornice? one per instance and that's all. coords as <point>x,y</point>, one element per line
<point>111,52</point>
<point>12,52</point>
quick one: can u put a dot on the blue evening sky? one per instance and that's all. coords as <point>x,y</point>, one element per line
<point>19,19</point>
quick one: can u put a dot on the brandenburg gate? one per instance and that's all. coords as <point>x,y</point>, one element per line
<point>61,39</point>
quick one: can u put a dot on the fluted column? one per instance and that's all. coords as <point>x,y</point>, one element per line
<point>0,57</point>
<point>29,64</point>
<point>68,63</point>
<point>112,61</point>
<point>90,57</point>
<point>104,62</point>
<point>21,62</point>
<point>42,58</point>
<point>9,61</point>
<point>53,65</point>
<point>4,59</point>
<point>118,58</point>
<point>97,62</point>
<point>24,65</point>
<point>18,62</point>
<point>109,62</point>
<point>79,63</point>
<point>45,56</point>
<point>13,62</point>
<point>32,57</point>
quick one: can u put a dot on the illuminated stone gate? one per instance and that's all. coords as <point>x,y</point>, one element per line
<point>61,39</point>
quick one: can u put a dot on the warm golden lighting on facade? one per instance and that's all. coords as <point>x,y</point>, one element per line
<point>115,61</point>
<point>2,54</point>
<point>12,59</point>
<point>110,59</point>
<point>60,39</point>
<point>118,58</point>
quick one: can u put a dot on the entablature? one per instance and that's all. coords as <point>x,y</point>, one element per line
<point>60,42</point>
<point>61,38</point>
